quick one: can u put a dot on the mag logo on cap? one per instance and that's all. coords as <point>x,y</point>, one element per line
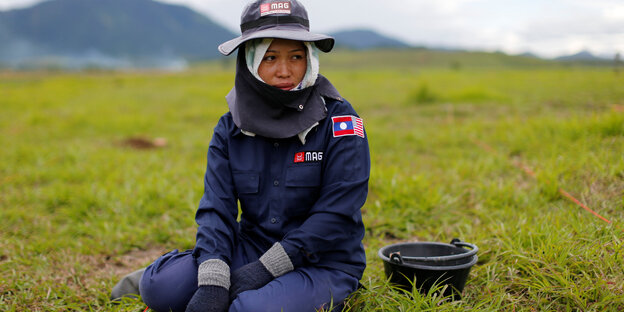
<point>281,7</point>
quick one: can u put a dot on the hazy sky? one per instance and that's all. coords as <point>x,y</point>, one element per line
<point>546,27</point>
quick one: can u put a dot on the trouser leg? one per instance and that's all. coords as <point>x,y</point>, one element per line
<point>304,289</point>
<point>169,282</point>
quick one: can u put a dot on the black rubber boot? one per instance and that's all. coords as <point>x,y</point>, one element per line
<point>128,286</point>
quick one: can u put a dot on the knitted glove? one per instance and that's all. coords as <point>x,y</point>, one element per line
<point>209,299</point>
<point>272,264</point>
<point>213,278</point>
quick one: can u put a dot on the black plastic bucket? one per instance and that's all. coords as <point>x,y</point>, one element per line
<point>425,264</point>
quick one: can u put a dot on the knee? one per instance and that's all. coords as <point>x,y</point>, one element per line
<point>239,305</point>
<point>169,283</point>
<point>253,300</point>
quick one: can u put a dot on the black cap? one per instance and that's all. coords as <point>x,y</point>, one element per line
<point>286,19</point>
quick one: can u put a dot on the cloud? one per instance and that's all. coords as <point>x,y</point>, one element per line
<point>583,27</point>
<point>12,4</point>
<point>547,28</point>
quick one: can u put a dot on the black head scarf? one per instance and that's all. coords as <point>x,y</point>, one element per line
<point>272,112</point>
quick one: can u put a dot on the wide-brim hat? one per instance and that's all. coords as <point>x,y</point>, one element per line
<point>286,19</point>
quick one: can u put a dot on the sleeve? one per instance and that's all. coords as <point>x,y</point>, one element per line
<point>336,215</point>
<point>217,212</point>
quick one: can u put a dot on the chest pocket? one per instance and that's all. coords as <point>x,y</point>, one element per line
<point>246,182</point>
<point>303,176</point>
<point>302,189</point>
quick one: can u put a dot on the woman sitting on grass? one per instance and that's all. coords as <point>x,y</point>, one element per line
<point>294,154</point>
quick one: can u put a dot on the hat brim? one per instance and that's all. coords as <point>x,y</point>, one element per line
<point>323,42</point>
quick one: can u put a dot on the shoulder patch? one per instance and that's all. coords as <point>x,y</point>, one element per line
<point>347,125</point>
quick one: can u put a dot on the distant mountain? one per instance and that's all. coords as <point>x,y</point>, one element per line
<point>528,54</point>
<point>141,33</point>
<point>583,56</point>
<point>108,31</point>
<point>362,39</point>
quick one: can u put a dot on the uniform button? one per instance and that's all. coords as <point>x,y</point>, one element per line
<point>300,106</point>
<point>276,183</point>
<point>273,220</point>
<point>275,144</point>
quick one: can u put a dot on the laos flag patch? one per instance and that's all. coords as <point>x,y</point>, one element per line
<point>348,125</point>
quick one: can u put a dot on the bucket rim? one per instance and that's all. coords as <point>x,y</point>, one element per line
<point>463,266</point>
<point>455,243</point>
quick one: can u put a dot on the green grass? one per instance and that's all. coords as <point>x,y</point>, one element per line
<point>79,207</point>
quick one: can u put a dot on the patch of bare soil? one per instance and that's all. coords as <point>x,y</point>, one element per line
<point>142,143</point>
<point>91,270</point>
<point>60,279</point>
<point>127,263</point>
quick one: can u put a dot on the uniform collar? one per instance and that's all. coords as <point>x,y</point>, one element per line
<point>302,135</point>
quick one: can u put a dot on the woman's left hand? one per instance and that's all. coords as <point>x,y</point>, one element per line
<point>250,276</point>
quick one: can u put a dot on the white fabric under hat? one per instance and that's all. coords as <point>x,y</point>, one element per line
<point>256,49</point>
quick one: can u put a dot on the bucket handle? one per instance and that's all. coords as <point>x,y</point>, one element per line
<point>456,242</point>
<point>396,257</point>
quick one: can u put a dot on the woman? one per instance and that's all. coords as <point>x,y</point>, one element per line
<point>294,154</point>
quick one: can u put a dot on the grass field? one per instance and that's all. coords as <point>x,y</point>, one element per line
<point>86,198</point>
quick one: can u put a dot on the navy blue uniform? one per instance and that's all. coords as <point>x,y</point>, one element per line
<point>305,196</point>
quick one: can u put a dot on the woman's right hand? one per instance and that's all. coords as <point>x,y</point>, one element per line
<point>209,298</point>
